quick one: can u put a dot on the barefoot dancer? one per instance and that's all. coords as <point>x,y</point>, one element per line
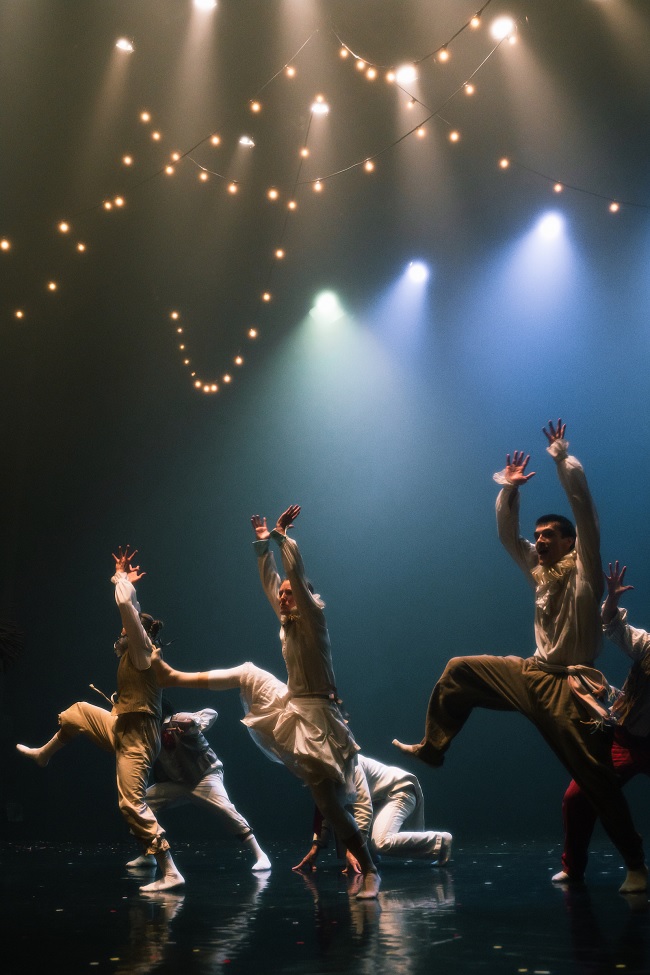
<point>132,729</point>
<point>299,723</point>
<point>563,568</point>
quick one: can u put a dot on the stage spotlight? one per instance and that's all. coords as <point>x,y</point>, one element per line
<point>550,226</point>
<point>502,27</point>
<point>327,308</point>
<point>319,106</point>
<point>417,272</point>
<point>247,141</point>
<point>124,44</point>
<point>205,4</point>
<point>406,74</point>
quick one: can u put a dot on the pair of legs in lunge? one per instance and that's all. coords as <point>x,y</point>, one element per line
<point>266,695</point>
<point>134,738</point>
<point>516,684</point>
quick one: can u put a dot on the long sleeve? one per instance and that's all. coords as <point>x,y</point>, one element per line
<point>269,575</point>
<point>307,602</point>
<point>520,549</point>
<point>362,807</point>
<point>573,480</point>
<point>633,642</point>
<point>139,648</point>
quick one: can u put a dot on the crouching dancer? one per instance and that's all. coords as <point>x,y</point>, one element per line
<point>188,771</point>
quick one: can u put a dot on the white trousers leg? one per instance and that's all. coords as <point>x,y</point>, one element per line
<point>388,839</point>
<point>210,793</point>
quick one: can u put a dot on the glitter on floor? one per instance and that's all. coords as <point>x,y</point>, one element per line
<point>491,912</point>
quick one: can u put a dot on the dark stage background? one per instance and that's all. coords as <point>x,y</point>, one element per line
<point>385,421</point>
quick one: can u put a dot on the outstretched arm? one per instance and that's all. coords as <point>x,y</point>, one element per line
<point>269,575</point>
<point>512,478</point>
<point>573,480</point>
<point>139,644</point>
<point>292,563</point>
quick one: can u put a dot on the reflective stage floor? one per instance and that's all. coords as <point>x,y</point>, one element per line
<point>72,909</point>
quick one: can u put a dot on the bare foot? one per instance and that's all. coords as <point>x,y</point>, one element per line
<point>142,863</point>
<point>167,882</point>
<point>635,882</point>
<point>425,751</point>
<point>33,753</point>
<point>370,887</point>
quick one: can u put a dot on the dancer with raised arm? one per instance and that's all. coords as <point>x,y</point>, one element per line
<point>298,723</point>
<point>132,728</point>
<point>556,688</point>
<point>631,745</point>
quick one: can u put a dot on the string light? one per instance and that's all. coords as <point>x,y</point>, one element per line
<point>614,207</point>
<point>5,245</point>
<point>443,55</point>
<point>227,378</point>
<point>360,65</point>
<point>290,71</point>
<point>170,170</point>
<point>203,176</point>
<point>145,116</point>
<point>81,247</point>
<point>304,152</point>
<point>475,22</point>
<point>454,136</point>
<point>174,316</point>
<point>256,107</point>
<point>215,140</point>
<point>19,313</point>
<point>266,296</point>
<point>369,165</point>
<point>176,156</point>
<point>318,186</point>
<point>252,333</point>
<point>371,74</point>
<point>292,205</point>
<point>469,88</point>
<point>558,188</point>
<point>156,136</point>
<point>64,227</point>
<point>232,188</point>
<point>239,360</point>
<point>127,160</point>
<point>273,194</point>
<point>504,163</point>
<point>421,132</point>
<point>279,253</point>
<point>108,205</point>
<point>51,286</point>
<point>344,52</point>
<point>119,201</point>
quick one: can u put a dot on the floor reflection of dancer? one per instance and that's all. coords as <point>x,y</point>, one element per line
<point>299,723</point>
<point>132,729</point>
<point>188,771</point>
<point>631,746</point>
<point>563,568</point>
<point>389,809</point>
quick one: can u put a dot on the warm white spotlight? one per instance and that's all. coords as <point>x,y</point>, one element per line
<point>205,4</point>
<point>502,27</point>
<point>417,272</point>
<point>246,140</point>
<point>550,226</point>
<point>327,308</point>
<point>406,74</point>
<point>124,44</point>
<point>319,106</point>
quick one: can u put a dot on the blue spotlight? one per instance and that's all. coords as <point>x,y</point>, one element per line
<point>418,272</point>
<point>550,226</point>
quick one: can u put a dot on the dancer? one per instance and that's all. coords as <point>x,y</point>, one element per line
<point>298,723</point>
<point>188,771</point>
<point>132,728</point>
<point>388,798</point>
<point>631,745</point>
<point>563,568</point>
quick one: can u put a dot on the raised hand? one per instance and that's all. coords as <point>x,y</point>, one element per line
<point>286,519</point>
<point>259,527</point>
<point>615,589</point>
<point>515,471</point>
<point>554,433</point>
<point>123,561</point>
<point>614,580</point>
